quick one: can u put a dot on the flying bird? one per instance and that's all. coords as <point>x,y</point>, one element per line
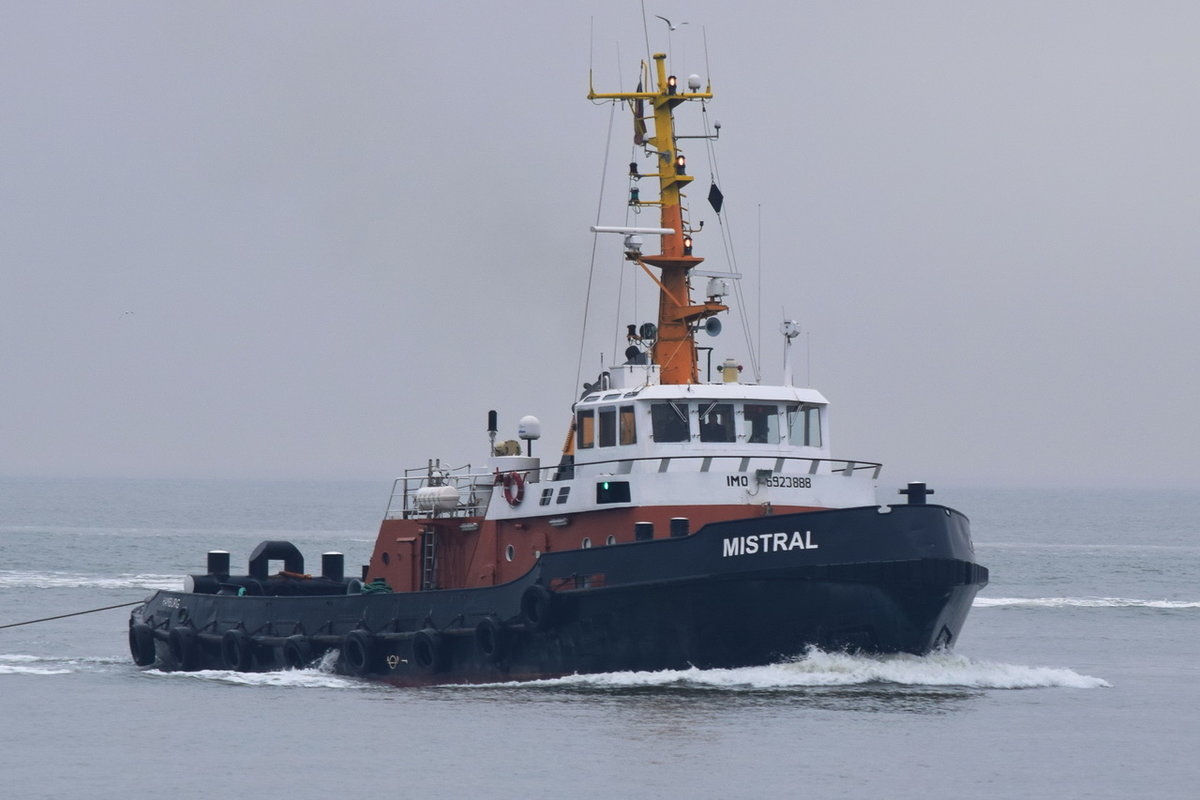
<point>670,27</point>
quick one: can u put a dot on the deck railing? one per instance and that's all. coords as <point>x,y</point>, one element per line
<point>425,492</point>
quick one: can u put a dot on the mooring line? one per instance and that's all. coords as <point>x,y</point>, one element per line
<point>72,614</point>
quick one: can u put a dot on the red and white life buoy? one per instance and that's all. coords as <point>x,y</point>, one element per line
<point>514,488</point>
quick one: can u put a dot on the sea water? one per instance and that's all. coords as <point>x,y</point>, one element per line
<point>1076,675</point>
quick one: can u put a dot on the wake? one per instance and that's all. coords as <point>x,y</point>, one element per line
<point>816,668</point>
<point>1081,602</point>
<point>319,676</point>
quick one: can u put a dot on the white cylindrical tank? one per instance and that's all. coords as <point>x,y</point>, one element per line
<point>437,498</point>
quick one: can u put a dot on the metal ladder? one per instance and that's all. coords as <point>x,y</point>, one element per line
<point>429,558</point>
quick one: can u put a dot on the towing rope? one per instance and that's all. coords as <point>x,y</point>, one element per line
<point>72,614</point>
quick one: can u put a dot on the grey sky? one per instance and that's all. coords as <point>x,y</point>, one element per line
<point>283,239</point>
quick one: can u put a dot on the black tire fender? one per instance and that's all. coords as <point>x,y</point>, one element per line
<point>185,650</point>
<point>358,653</point>
<point>537,607</point>
<point>237,650</point>
<point>141,644</point>
<point>297,652</point>
<point>491,639</point>
<point>429,651</point>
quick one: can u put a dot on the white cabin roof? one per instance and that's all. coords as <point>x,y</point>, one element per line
<point>711,391</point>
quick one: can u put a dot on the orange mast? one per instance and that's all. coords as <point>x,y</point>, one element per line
<point>675,349</point>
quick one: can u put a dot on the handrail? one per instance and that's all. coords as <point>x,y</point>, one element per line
<point>433,478</point>
<point>854,463</point>
<point>474,488</point>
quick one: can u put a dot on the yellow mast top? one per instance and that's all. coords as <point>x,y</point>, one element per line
<point>675,348</point>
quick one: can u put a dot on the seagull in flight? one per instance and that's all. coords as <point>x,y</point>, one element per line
<point>670,27</point>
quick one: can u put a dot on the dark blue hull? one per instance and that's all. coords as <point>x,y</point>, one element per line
<point>733,594</point>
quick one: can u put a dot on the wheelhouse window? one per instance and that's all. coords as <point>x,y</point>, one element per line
<point>669,421</point>
<point>761,424</point>
<point>804,425</point>
<point>628,426</point>
<point>716,423</point>
<point>608,426</point>
<point>585,429</point>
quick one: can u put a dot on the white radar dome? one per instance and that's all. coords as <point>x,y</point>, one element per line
<point>694,82</point>
<point>529,428</point>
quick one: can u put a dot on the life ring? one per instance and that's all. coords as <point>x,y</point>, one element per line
<point>491,639</point>
<point>237,650</point>
<point>185,651</point>
<point>358,653</point>
<point>429,651</point>
<point>514,488</point>
<point>141,644</point>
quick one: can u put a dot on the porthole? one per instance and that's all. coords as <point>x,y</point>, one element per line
<point>386,558</point>
<point>611,540</point>
<point>586,543</point>
<point>510,552</point>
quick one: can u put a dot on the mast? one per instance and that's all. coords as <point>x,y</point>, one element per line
<point>675,348</point>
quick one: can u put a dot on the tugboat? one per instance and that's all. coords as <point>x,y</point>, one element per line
<point>687,522</point>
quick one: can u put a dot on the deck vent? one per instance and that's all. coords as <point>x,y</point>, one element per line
<point>218,562</point>
<point>333,566</point>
